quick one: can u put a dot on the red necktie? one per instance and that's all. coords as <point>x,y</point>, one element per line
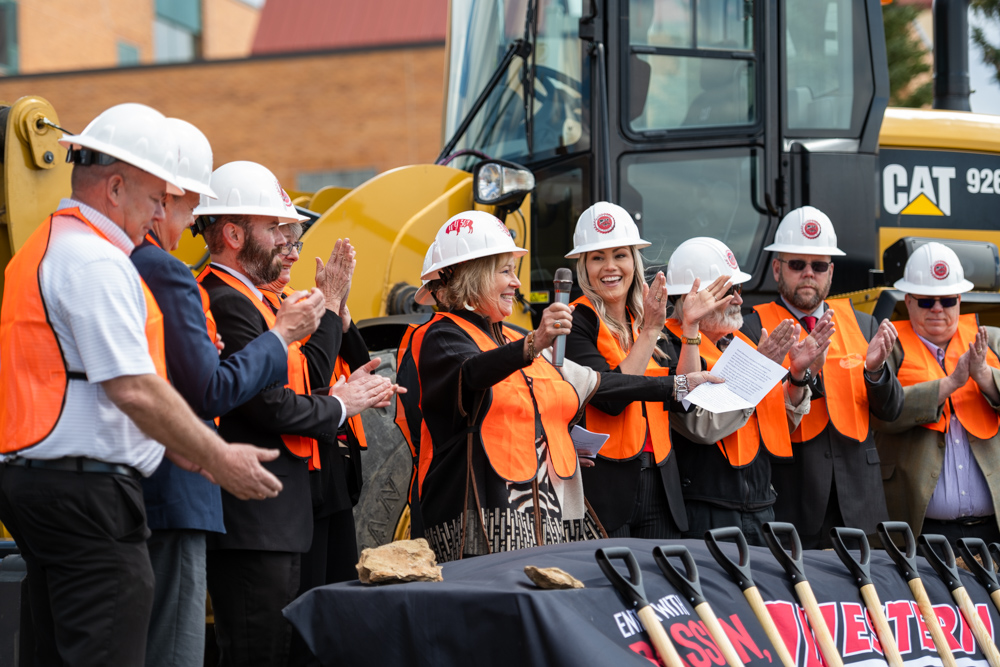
<point>810,323</point>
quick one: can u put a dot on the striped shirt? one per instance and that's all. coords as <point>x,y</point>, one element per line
<point>95,303</point>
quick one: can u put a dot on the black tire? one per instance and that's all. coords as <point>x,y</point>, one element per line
<point>386,466</point>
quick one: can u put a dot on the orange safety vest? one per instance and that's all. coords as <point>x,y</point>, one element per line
<point>340,367</point>
<point>298,368</point>
<point>400,418</point>
<point>507,430</point>
<point>768,420</point>
<point>627,431</point>
<point>920,365</point>
<point>33,372</point>
<point>843,374</point>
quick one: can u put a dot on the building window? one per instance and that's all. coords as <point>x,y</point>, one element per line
<point>311,181</point>
<point>128,54</point>
<point>177,31</point>
<point>8,37</point>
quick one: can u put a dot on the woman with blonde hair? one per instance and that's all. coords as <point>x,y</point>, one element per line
<point>497,467</point>
<point>634,486</point>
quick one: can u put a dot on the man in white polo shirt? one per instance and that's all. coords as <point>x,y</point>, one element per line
<point>85,403</point>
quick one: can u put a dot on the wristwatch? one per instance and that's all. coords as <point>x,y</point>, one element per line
<point>691,341</point>
<point>806,379</point>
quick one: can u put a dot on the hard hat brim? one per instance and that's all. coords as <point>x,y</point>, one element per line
<point>604,245</point>
<point>174,186</point>
<point>193,185</point>
<point>961,287</point>
<point>737,278</point>
<point>250,210</point>
<point>435,270</point>
<point>805,250</point>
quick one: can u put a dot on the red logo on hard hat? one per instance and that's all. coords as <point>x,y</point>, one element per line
<point>604,223</point>
<point>501,226</point>
<point>940,269</point>
<point>457,226</point>
<point>284,195</point>
<point>811,229</point>
<point>731,258</point>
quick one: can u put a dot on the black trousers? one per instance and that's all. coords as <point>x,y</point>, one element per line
<point>650,518</point>
<point>83,539</point>
<point>986,531</point>
<point>704,516</point>
<point>249,589</point>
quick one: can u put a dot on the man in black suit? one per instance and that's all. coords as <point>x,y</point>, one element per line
<point>834,477</point>
<point>253,570</point>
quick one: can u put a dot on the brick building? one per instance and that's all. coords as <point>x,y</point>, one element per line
<point>320,91</point>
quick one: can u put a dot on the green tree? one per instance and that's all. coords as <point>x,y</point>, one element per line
<point>907,57</point>
<point>990,10</point>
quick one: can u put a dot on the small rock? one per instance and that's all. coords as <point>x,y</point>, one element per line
<point>551,578</point>
<point>396,562</point>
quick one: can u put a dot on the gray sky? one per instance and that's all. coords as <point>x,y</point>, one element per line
<point>985,90</point>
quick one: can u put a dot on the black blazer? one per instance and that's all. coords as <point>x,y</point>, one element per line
<point>283,523</point>
<point>831,461</point>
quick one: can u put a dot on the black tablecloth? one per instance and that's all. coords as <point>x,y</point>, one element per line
<point>487,612</point>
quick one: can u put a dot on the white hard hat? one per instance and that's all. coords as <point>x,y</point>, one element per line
<point>136,135</point>
<point>248,188</point>
<point>933,269</point>
<point>469,235</point>
<point>605,225</point>
<point>194,168</point>
<point>806,231</point>
<point>423,295</point>
<point>703,258</point>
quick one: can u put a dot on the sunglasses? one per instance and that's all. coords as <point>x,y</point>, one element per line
<point>800,265</point>
<point>286,249</point>
<point>946,302</point>
<point>735,289</point>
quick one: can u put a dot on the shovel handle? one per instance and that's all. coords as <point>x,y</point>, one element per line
<point>630,589</point>
<point>906,562</point>
<point>979,630</point>
<point>970,547</point>
<point>826,644</point>
<point>770,628</point>
<point>711,622</point>
<point>740,571</point>
<point>885,637</point>
<point>859,568</point>
<point>944,563</point>
<point>792,562</point>
<point>931,622</point>
<point>688,583</point>
<point>661,641</point>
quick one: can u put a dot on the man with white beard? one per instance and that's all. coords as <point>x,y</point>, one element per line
<point>728,482</point>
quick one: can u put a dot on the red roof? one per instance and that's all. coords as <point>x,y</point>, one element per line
<point>319,25</point>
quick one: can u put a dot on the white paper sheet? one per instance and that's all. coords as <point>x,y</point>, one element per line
<point>587,443</point>
<point>749,376</point>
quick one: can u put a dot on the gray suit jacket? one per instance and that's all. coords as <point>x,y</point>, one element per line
<point>912,455</point>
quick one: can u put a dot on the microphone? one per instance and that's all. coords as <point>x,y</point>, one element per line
<point>562,284</point>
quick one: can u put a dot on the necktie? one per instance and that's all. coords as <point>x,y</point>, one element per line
<point>809,322</point>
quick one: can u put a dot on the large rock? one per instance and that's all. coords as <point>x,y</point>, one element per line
<point>396,562</point>
<point>552,578</point>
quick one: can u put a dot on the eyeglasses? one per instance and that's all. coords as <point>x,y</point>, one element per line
<point>286,249</point>
<point>735,289</point>
<point>797,265</point>
<point>946,302</point>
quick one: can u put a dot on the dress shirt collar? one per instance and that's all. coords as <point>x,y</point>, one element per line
<point>938,352</point>
<point>818,313</point>
<point>242,278</point>
<point>116,235</point>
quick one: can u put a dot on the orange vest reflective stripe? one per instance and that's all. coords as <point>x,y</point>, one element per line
<point>627,431</point>
<point>298,368</point>
<point>920,365</point>
<point>426,454</point>
<point>768,420</point>
<point>400,418</point>
<point>507,430</point>
<point>33,373</point>
<point>843,374</point>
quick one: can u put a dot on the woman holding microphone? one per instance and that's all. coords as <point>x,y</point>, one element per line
<point>497,467</point>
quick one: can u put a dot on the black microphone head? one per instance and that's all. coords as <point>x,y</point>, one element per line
<point>563,275</point>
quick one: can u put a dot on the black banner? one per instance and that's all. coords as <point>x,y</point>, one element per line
<point>487,612</point>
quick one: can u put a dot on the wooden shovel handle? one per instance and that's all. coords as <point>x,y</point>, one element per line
<point>661,641</point>
<point>711,622</point>
<point>932,623</point>
<point>826,644</point>
<point>885,638</point>
<point>770,629</point>
<point>995,596</point>
<point>979,630</point>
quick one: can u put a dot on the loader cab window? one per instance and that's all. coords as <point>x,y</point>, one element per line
<point>690,64</point>
<point>480,32</point>
<point>827,68</point>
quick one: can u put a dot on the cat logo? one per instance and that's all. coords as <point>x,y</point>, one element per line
<point>927,191</point>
